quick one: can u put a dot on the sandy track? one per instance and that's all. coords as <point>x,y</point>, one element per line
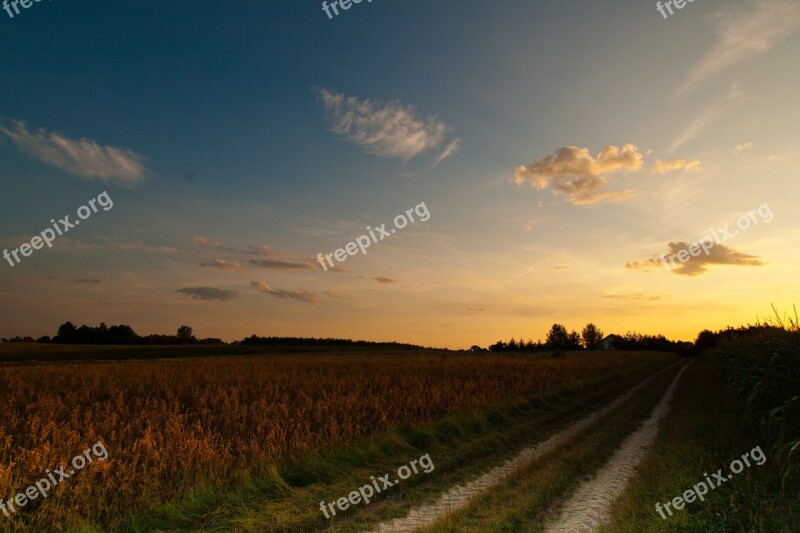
<point>459,496</point>
<point>590,505</point>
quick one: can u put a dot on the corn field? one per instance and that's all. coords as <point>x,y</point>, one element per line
<point>762,367</point>
<point>178,425</point>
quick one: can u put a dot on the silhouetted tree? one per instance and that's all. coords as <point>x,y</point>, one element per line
<point>574,340</point>
<point>69,334</point>
<point>529,346</point>
<point>499,346</point>
<point>591,336</point>
<point>66,333</point>
<point>122,334</point>
<point>186,336</point>
<point>558,338</point>
<point>705,340</point>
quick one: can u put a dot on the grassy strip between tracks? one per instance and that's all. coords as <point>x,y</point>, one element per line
<point>461,448</point>
<point>705,432</point>
<point>533,495</point>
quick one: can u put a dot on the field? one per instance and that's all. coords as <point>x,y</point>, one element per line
<point>176,427</point>
<point>257,442</point>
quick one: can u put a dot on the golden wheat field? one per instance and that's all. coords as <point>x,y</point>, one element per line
<point>177,425</point>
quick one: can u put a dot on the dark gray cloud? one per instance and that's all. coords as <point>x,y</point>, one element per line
<point>719,254</point>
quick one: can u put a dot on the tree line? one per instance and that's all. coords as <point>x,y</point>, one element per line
<point>590,338</point>
<point>123,334</point>
<point>558,339</point>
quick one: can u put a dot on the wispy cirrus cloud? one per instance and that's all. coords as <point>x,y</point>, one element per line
<point>633,296</point>
<point>209,293</point>
<point>335,294</point>
<point>201,241</point>
<point>258,250</point>
<point>719,108</point>
<point>449,150</point>
<point>301,295</point>
<point>529,225</point>
<point>575,174</point>
<point>281,265</point>
<point>391,129</point>
<point>221,264</point>
<point>742,36</point>
<point>670,165</point>
<point>275,259</point>
<point>279,259</point>
<point>82,157</point>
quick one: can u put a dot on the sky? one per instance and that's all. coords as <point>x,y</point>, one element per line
<point>550,154</point>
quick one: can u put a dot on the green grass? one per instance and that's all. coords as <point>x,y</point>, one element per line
<point>461,448</point>
<point>524,502</point>
<point>705,430</point>
<point>762,368</point>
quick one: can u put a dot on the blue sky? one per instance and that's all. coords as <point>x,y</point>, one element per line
<point>215,129</point>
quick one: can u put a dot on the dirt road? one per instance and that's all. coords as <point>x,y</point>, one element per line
<point>459,496</point>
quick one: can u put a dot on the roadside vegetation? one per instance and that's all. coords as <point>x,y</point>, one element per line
<point>532,495</point>
<point>740,394</point>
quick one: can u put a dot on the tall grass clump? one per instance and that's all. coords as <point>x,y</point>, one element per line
<point>761,364</point>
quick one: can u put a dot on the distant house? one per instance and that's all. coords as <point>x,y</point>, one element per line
<point>608,342</point>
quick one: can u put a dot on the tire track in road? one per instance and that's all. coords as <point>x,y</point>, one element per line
<point>590,505</point>
<point>459,496</point>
